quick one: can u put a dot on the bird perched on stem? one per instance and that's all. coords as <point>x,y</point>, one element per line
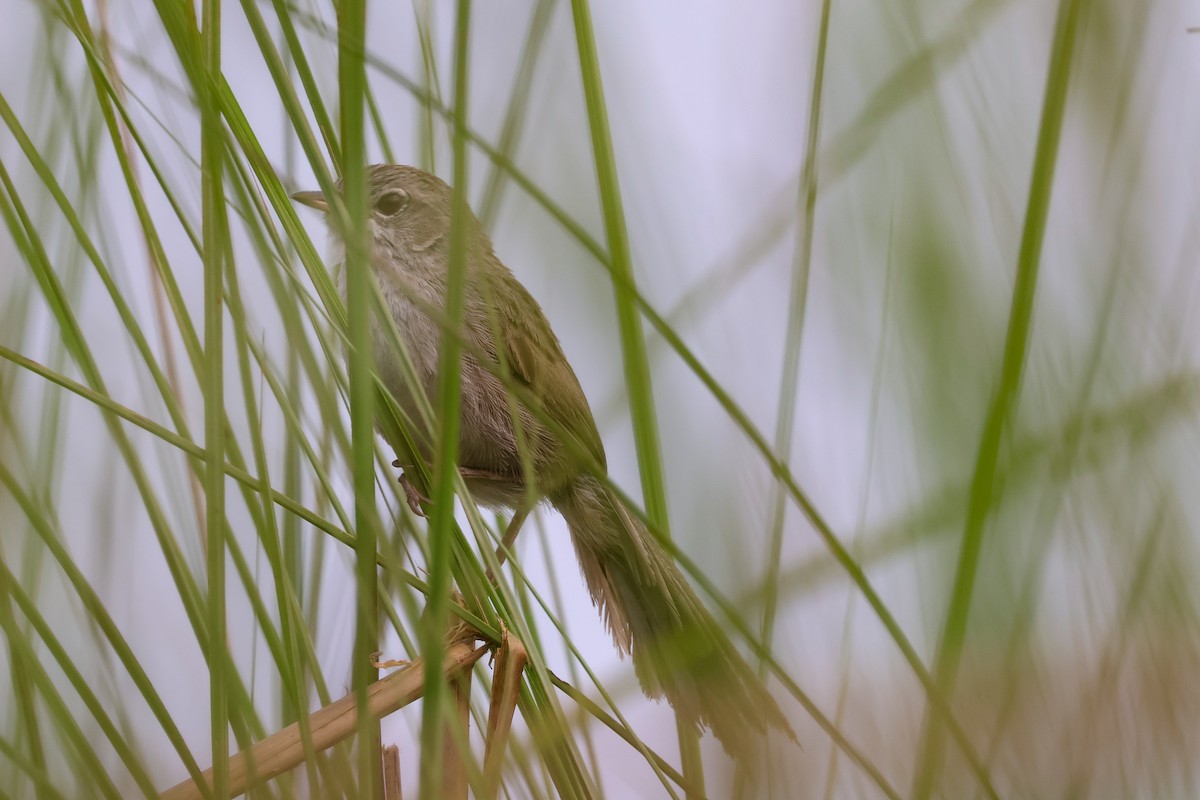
<point>526,434</point>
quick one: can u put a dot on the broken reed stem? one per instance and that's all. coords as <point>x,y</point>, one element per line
<point>283,750</point>
<point>506,690</point>
<point>392,789</point>
<point>457,735</point>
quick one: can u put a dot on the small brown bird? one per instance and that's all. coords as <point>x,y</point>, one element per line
<point>679,651</point>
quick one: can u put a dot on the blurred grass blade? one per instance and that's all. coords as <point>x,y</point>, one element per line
<point>436,710</point>
<point>983,480</point>
<point>216,238</point>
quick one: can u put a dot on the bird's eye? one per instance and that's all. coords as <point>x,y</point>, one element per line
<point>391,203</point>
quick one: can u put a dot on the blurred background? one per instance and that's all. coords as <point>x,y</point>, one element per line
<point>926,406</point>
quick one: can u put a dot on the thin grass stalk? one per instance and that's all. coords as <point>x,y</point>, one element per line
<point>298,61</point>
<point>558,606</point>
<point>539,710</point>
<point>45,788</point>
<point>426,131</point>
<point>906,84</point>
<point>91,601</point>
<point>165,388</point>
<point>160,311</point>
<point>76,744</point>
<point>264,171</point>
<point>633,342</point>
<point>352,22</point>
<point>284,565</point>
<point>983,494</point>
<point>793,339</point>
<point>29,241</point>
<point>1104,685</point>
<point>1061,466</point>
<point>291,664</point>
<point>117,121</point>
<point>537,668</point>
<point>292,556</point>
<point>568,776</point>
<point>129,321</point>
<point>292,551</point>
<point>839,552</point>
<point>449,387</point>
<point>24,714</point>
<point>20,668</point>
<point>566,757</point>
<point>624,731</point>
<point>106,404</point>
<point>872,439</point>
<point>65,662</point>
<point>121,133</point>
<point>510,132</point>
<point>216,237</point>
<point>82,141</point>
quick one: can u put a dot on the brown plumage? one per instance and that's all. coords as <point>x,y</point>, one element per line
<point>679,651</point>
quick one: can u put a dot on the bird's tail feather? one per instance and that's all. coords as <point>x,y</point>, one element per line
<point>679,651</point>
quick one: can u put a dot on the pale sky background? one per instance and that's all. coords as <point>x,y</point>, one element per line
<point>708,106</point>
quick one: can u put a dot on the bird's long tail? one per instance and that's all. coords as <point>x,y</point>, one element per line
<point>679,651</point>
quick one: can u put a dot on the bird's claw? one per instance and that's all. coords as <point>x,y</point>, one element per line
<point>411,494</point>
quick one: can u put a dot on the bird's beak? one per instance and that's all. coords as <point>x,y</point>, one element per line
<point>312,200</point>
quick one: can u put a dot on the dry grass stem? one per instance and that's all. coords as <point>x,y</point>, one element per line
<point>506,690</point>
<point>392,789</point>
<point>334,723</point>
<point>458,729</point>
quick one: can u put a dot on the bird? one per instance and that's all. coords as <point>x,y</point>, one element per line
<point>539,443</point>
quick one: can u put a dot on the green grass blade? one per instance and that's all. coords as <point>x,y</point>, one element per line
<point>983,480</point>
<point>216,238</point>
<point>352,22</point>
<point>434,710</point>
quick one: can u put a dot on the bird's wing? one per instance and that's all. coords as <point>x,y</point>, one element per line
<point>535,359</point>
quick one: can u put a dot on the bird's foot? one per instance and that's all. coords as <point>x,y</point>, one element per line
<point>411,493</point>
